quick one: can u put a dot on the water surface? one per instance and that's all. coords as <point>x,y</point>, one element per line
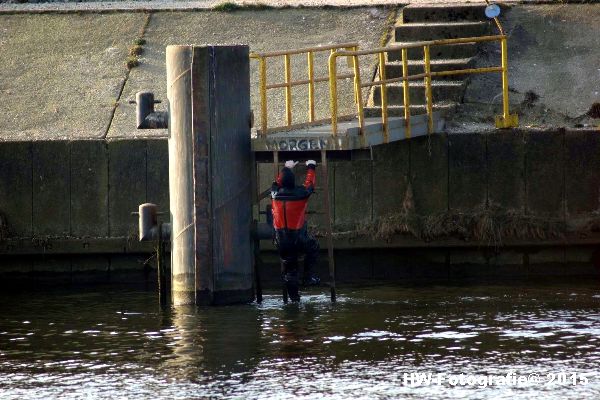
<point>105,344</point>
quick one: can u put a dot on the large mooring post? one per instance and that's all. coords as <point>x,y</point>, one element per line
<point>208,88</point>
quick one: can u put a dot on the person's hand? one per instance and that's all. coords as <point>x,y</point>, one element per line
<point>290,164</point>
<point>311,162</point>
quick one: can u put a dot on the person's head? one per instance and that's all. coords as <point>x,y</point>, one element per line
<point>288,180</point>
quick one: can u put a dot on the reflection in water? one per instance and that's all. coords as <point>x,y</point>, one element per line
<point>119,344</point>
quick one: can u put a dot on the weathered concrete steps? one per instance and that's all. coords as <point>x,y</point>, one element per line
<point>419,23</point>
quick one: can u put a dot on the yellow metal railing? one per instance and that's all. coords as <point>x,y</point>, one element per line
<point>288,84</point>
<point>506,120</point>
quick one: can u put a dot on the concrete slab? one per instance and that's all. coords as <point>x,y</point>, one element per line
<point>265,30</point>
<point>353,192</point>
<point>429,173</point>
<point>353,266</point>
<point>553,51</point>
<point>545,181</point>
<point>15,187</point>
<point>65,72</point>
<point>582,188</point>
<point>127,185</point>
<point>158,175</point>
<point>506,166</point>
<point>467,169</point>
<point>89,188</point>
<point>348,136</point>
<point>390,177</point>
<point>51,188</point>
<point>89,269</point>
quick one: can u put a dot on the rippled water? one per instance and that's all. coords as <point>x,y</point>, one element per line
<point>119,344</point>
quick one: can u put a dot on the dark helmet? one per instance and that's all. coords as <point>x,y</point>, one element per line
<point>288,180</point>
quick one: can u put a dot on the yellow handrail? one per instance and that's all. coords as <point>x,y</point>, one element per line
<point>506,120</point>
<point>288,84</point>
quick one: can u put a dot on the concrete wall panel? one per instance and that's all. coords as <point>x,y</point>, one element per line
<point>390,177</point>
<point>157,186</point>
<point>354,265</point>
<point>582,168</point>
<point>16,187</point>
<point>506,170</point>
<point>89,188</point>
<point>429,173</point>
<point>127,184</point>
<point>51,188</point>
<point>467,171</point>
<point>545,174</point>
<point>353,191</point>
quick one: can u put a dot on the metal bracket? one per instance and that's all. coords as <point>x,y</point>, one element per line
<point>146,117</point>
<point>512,121</point>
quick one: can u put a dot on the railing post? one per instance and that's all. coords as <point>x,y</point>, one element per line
<point>333,91</point>
<point>504,47</point>
<point>405,89</point>
<point>428,95</point>
<point>288,90</point>
<point>358,91</point>
<point>505,120</point>
<point>384,103</point>
<point>355,48</point>
<point>311,86</point>
<point>263,94</point>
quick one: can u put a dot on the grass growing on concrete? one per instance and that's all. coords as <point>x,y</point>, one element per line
<point>387,34</point>
<point>132,62</point>
<point>490,226</point>
<point>136,50</point>
<point>230,7</point>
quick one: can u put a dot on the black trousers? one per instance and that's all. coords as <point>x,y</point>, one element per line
<point>292,243</point>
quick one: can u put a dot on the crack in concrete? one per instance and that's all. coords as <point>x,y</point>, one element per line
<point>126,78</point>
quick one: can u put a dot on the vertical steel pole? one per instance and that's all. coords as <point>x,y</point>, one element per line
<point>311,86</point>
<point>333,91</point>
<point>350,65</point>
<point>505,110</point>
<point>263,95</point>
<point>358,91</point>
<point>288,90</point>
<point>428,94</point>
<point>406,89</point>
<point>328,224</point>
<point>384,103</point>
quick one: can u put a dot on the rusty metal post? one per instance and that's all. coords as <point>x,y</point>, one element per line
<point>211,210</point>
<point>328,226</point>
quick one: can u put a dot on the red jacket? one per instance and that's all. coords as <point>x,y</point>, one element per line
<point>289,205</point>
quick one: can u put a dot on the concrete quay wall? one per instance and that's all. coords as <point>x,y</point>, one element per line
<point>66,205</point>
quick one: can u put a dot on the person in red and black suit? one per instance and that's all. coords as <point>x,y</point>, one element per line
<point>289,204</point>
